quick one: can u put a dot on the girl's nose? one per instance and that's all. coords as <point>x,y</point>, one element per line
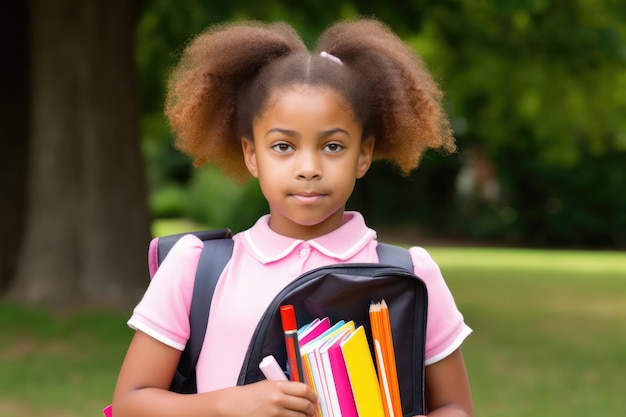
<point>308,166</point>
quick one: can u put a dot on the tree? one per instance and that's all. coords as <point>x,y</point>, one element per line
<point>86,225</point>
<point>14,126</point>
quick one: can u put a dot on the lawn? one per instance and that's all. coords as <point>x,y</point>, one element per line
<point>550,335</point>
<point>549,339</point>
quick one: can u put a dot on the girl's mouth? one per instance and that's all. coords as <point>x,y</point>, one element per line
<point>307,197</point>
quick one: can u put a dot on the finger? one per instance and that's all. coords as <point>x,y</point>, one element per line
<point>299,389</point>
<point>300,405</point>
<point>299,397</point>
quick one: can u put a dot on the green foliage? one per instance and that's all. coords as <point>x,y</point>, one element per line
<point>537,86</point>
<point>168,201</point>
<point>172,226</point>
<point>583,206</point>
<point>424,197</point>
<point>220,201</point>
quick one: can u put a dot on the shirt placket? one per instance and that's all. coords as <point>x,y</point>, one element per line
<point>304,253</point>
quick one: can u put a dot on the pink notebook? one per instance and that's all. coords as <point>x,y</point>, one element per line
<point>315,330</point>
<point>342,380</point>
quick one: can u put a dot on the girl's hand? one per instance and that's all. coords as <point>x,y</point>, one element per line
<point>268,398</point>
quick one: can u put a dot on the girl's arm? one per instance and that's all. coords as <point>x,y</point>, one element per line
<point>447,388</point>
<point>146,374</point>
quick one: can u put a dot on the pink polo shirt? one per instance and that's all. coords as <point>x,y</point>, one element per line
<point>262,264</point>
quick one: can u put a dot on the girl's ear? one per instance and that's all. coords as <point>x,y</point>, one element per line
<point>249,156</point>
<point>365,156</point>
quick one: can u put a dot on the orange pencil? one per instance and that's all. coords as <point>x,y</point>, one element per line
<point>379,354</point>
<point>392,371</point>
<point>386,343</point>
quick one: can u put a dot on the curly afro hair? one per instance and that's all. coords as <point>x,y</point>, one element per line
<point>227,73</point>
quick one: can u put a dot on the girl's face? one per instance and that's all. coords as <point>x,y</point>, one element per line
<point>307,154</point>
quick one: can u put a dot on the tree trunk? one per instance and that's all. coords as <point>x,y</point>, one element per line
<point>14,128</point>
<point>87,226</point>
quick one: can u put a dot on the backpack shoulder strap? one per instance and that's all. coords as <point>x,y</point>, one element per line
<point>217,251</point>
<point>394,255</point>
<point>161,246</point>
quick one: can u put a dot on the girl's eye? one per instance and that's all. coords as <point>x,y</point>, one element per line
<point>282,147</point>
<point>333,147</point>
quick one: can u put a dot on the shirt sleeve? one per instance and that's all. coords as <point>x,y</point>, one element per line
<point>163,312</point>
<point>445,329</point>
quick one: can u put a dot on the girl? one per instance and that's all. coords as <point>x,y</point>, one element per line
<point>250,98</point>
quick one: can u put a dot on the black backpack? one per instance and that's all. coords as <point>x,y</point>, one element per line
<point>338,291</point>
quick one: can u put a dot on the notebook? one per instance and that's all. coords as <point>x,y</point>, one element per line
<point>311,360</point>
<point>362,374</point>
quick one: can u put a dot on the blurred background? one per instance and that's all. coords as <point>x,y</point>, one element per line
<point>535,91</point>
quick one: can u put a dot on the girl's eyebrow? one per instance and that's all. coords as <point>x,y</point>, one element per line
<point>330,132</point>
<point>286,132</point>
<point>295,134</point>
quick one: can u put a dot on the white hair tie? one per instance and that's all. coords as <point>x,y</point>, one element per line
<point>331,57</point>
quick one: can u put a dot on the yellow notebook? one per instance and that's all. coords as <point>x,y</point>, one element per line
<point>362,374</point>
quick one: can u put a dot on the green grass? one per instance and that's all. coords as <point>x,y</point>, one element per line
<point>549,329</point>
<point>549,339</point>
<point>58,364</point>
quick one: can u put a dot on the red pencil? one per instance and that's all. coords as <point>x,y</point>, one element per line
<point>290,329</point>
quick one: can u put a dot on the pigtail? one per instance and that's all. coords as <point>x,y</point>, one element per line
<point>408,117</point>
<point>203,88</point>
